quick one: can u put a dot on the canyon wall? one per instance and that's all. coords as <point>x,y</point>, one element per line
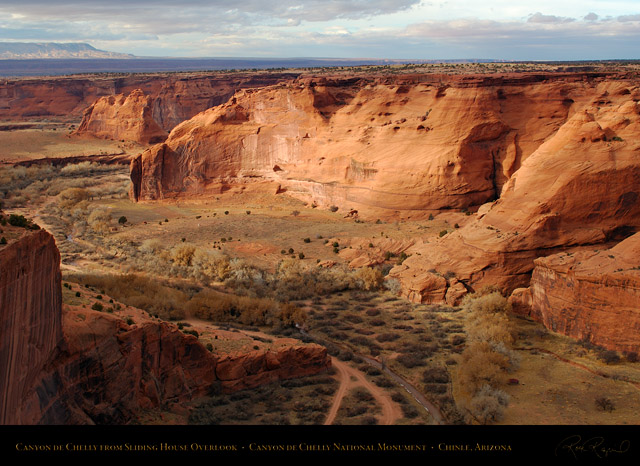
<point>591,295</point>
<point>578,188</point>
<point>122,117</point>
<point>553,157</point>
<point>77,366</point>
<point>176,96</point>
<point>414,143</point>
<point>108,370</point>
<point>30,317</point>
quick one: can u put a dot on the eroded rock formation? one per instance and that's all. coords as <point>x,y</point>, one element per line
<point>108,370</point>
<point>591,295</point>
<point>579,187</point>
<point>391,143</point>
<point>79,366</point>
<point>30,317</point>
<point>122,117</point>
<point>176,96</point>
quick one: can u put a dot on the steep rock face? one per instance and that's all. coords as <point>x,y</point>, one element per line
<point>405,143</point>
<point>108,370</point>
<point>175,97</point>
<point>591,295</point>
<point>579,187</point>
<point>120,117</point>
<point>30,319</point>
<point>86,367</point>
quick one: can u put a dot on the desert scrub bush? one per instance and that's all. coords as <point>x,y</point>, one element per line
<point>385,337</point>
<point>609,356</point>
<point>435,375</point>
<point>369,278</point>
<point>99,220</point>
<point>141,292</point>
<point>605,404</point>
<point>71,197</point>
<point>488,318</point>
<point>410,360</point>
<point>409,411</point>
<point>210,265</point>
<point>183,254</point>
<point>152,246</point>
<point>487,405</point>
<point>481,365</point>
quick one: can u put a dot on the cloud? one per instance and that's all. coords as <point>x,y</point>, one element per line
<point>628,18</point>
<point>548,19</point>
<point>338,28</point>
<point>143,11</point>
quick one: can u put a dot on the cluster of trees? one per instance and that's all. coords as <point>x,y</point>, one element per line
<point>488,358</point>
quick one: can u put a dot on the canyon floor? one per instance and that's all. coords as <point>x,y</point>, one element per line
<point>251,231</point>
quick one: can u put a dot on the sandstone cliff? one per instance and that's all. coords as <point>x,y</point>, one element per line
<point>108,370</point>
<point>404,143</point>
<point>591,295</point>
<point>579,187</point>
<point>30,318</point>
<point>122,117</point>
<point>176,96</point>
<point>83,367</point>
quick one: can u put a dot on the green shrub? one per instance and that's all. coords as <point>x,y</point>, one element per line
<point>442,233</point>
<point>122,220</point>
<point>97,307</point>
<point>18,221</point>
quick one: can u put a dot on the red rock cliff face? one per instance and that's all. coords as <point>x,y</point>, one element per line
<point>387,143</point>
<point>108,370</point>
<point>30,318</point>
<point>589,295</point>
<point>119,117</point>
<point>86,367</point>
<point>176,97</point>
<point>579,187</point>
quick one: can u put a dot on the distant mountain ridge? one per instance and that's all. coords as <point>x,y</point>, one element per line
<point>39,50</point>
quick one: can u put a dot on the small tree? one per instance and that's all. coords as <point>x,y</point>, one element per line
<point>122,220</point>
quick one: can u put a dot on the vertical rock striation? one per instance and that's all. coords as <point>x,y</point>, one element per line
<point>30,318</point>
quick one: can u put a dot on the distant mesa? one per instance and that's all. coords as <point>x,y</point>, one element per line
<point>39,50</point>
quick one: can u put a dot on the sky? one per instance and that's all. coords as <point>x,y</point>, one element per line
<point>400,29</point>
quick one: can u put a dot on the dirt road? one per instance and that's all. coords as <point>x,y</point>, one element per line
<point>351,378</point>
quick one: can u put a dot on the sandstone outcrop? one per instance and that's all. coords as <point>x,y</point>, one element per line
<point>79,366</point>
<point>122,117</point>
<point>578,188</point>
<point>396,144</point>
<point>591,295</point>
<point>30,318</point>
<point>175,97</point>
<point>108,370</point>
